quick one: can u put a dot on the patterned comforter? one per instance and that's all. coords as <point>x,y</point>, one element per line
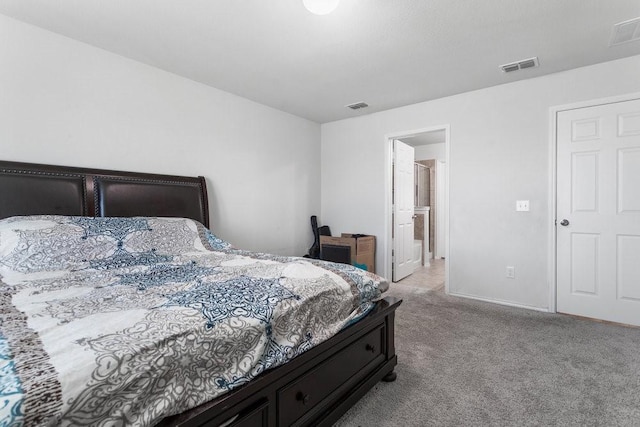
<point>124,321</point>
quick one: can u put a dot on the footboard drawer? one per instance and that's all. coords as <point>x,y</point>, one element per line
<point>257,417</point>
<point>322,385</point>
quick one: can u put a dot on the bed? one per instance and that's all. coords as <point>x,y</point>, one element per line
<point>309,376</point>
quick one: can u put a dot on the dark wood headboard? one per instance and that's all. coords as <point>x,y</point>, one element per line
<point>35,189</point>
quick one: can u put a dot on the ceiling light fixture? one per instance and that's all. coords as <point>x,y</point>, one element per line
<point>320,7</point>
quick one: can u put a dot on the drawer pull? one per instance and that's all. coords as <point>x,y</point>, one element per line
<point>371,348</point>
<point>304,398</point>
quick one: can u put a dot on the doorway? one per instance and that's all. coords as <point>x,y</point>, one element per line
<point>431,147</point>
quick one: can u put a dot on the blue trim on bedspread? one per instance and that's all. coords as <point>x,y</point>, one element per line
<point>10,388</point>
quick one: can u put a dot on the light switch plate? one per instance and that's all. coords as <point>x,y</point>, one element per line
<point>522,205</point>
<point>511,272</point>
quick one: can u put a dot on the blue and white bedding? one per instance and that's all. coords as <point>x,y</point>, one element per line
<point>124,321</point>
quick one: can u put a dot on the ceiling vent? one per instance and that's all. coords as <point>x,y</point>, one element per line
<point>520,65</point>
<point>624,32</point>
<point>358,105</point>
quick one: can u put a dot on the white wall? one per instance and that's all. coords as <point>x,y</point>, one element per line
<point>430,151</point>
<point>65,102</point>
<point>500,142</point>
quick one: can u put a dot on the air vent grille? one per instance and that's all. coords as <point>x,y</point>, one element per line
<point>624,32</point>
<point>510,67</point>
<point>527,64</point>
<point>520,65</point>
<point>358,105</point>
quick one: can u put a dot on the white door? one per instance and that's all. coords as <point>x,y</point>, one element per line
<point>598,212</point>
<point>403,183</point>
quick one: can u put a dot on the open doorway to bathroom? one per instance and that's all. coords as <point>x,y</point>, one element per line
<point>430,238</point>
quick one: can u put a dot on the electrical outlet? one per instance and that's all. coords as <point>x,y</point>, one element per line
<point>522,205</point>
<point>511,272</point>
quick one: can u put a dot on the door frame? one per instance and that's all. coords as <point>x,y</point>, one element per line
<point>388,226</point>
<point>440,229</point>
<point>553,184</point>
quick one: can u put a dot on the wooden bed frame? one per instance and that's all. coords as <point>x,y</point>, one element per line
<point>315,388</point>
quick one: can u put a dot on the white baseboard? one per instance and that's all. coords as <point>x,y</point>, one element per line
<point>497,301</point>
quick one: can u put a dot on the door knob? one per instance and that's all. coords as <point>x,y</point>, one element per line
<point>564,222</point>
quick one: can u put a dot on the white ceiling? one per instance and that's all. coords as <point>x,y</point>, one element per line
<point>387,53</point>
<point>425,138</point>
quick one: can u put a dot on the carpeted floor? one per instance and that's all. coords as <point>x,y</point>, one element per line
<point>469,363</point>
